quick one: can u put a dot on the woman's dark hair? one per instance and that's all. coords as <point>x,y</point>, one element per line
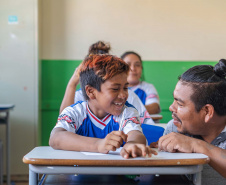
<point>208,84</point>
<point>99,47</point>
<point>134,53</point>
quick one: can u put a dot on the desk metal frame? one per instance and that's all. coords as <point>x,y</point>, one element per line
<point>34,170</point>
<point>5,120</point>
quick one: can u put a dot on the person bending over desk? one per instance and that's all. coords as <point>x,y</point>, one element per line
<point>105,120</point>
<point>199,115</point>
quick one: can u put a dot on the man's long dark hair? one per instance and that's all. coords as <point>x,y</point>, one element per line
<point>208,84</point>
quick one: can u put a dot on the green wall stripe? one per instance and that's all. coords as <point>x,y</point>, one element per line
<point>56,74</point>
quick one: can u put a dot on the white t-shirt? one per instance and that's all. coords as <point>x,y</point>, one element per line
<point>146,92</point>
<point>133,99</point>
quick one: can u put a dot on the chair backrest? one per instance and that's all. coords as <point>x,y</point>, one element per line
<point>152,132</point>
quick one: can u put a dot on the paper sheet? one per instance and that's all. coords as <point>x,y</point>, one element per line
<point>117,152</point>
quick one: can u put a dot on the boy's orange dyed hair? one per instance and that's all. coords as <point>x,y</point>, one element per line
<point>105,66</point>
<point>96,69</point>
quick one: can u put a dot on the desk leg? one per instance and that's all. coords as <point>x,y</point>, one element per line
<point>33,177</point>
<point>1,163</point>
<point>8,148</point>
<point>197,178</point>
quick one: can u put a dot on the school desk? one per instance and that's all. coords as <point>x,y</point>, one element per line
<point>4,119</point>
<point>46,160</point>
<point>1,163</point>
<point>156,117</point>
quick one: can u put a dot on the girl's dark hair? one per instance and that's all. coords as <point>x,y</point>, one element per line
<point>134,53</point>
<point>208,84</point>
<point>99,47</point>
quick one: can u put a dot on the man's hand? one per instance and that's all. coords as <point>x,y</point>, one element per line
<point>131,149</point>
<point>174,142</point>
<point>112,141</point>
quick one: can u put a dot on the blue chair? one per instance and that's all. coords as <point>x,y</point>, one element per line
<point>152,132</point>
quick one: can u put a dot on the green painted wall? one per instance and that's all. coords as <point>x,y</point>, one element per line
<point>56,74</point>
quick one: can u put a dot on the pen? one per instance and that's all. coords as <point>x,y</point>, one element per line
<point>122,120</point>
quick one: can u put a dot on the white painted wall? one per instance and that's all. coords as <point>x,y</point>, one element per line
<point>157,29</point>
<point>19,78</point>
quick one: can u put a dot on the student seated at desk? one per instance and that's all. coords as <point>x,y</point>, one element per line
<point>98,47</point>
<point>72,96</point>
<point>145,91</point>
<point>199,118</point>
<point>105,120</point>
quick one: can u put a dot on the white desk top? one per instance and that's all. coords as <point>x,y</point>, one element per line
<point>156,116</point>
<point>6,106</point>
<point>47,155</point>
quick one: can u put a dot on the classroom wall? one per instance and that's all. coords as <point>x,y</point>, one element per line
<point>191,30</point>
<point>171,36</point>
<point>19,78</point>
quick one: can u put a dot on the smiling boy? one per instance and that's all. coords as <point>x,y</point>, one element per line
<point>93,125</point>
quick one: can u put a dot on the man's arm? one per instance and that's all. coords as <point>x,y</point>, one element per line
<point>217,156</point>
<point>175,142</point>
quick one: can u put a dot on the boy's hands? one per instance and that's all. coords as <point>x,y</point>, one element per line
<point>112,141</point>
<point>131,149</point>
<point>154,144</point>
<point>115,139</point>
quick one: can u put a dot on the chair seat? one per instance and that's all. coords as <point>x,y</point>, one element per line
<point>152,132</point>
